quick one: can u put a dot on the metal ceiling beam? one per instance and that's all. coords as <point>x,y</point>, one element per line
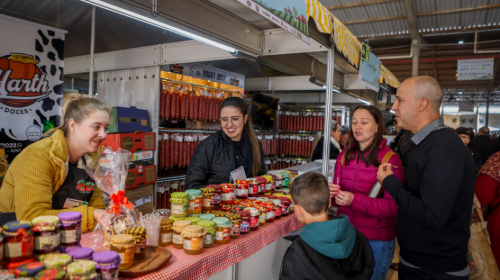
<point>459,10</point>
<point>373,19</point>
<point>415,38</point>
<point>437,33</point>
<point>359,4</point>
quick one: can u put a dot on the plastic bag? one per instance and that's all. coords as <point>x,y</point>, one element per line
<point>110,174</point>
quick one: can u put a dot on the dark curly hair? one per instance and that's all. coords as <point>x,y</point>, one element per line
<point>466,131</point>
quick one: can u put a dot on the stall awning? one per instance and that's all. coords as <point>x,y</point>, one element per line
<point>321,15</point>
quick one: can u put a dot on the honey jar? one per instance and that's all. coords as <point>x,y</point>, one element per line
<point>209,238</point>
<point>177,229</point>
<point>223,231</point>
<point>236,229</point>
<point>165,238</point>
<point>208,202</point>
<point>193,236</point>
<point>140,234</point>
<point>195,201</point>
<point>124,245</point>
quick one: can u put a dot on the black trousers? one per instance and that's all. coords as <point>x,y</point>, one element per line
<point>410,273</point>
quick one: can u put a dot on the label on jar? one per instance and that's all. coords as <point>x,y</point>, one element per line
<point>227,196</point>
<point>195,204</point>
<point>73,235</point>
<point>177,238</point>
<point>269,187</point>
<point>253,190</point>
<point>141,247</point>
<point>208,202</point>
<point>127,256</point>
<point>108,274</point>
<point>245,226</point>
<point>166,237</point>
<point>235,230</point>
<point>285,183</point>
<point>217,198</point>
<point>207,239</point>
<point>241,192</point>
<point>178,209</point>
<point>262,188</point>
<point>47,242</point>
<point>277,211</point>
<point>193,243</point>
<point>284,210</point>
<point>262,219</point>
<point>223,235</point>
<point>17,249</point>
<point>270,215</point>
<point>278,184</point>
<point>254,222</point>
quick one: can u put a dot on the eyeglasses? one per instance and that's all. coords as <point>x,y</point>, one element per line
<point>233,120</point>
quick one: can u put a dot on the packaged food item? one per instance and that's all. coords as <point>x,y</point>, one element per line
<point>51,274</point>
<point>57,261</point>
<point>140,234</point>
<point>253,188</point>
<point>286,178</point>
<point>209,238</point>
<point>208,202</point>
<point>207,216</point>
<point>179,204</point>
<point>236,229</point>
<point>124,245</point>
<point>71,228</point>
<point>262,185</point>
<point>254,217</point>
<point>29,269</point>
<point>269,184</point>
<point>241,189</point>
<point>195,201</point>
<point>227,196</point>
<point>193,220</point>
<point>177,229</point>
<point>285,204</point>
<point>278,180</point>
<point>46,234</point>
<point>165,233</point>
<point>263,216</point>
<point>220,213</point>
<point>175,219</point>
<point>193,239</point>
<point>223,231</point>
<point>245,221</point>
<point>18,244</point>
<point>106,265</point>
<point>277,208</point>
<point>78,254</point>
<point>217,191</point>
<point>270,213</point>
<point>81,270</point>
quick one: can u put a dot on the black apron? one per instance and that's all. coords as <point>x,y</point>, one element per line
<point>77,185</point>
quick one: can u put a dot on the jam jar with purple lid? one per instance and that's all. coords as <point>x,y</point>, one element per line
<point>106,264</point>
<point>78,254</point>
<point>46,230</point>
<point>71,228</point>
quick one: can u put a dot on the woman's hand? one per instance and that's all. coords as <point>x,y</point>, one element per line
<point>344,198</point>
<point>98,213</point>
<point>333,189</point>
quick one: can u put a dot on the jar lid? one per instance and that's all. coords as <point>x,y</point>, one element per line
<point>175,219</point>
<point>268,178</point>
<point>285,200</point>
<point>243,214</point>
<point>11,228</point>
<point>253,211</point>
<point>139,233</point>
<point>193,220</point>
<point>207,190</point>
<point>271,196</point>
<point>235,218</point>
<point>106,260</point>
<point>278,175</point>
<point>56,261</point>
<point>215,187</point>
<point>227,187</point>
<point>219,213</point>
<point>179,195</point>
<point>181,224</point>
<point>45,223</point>
<point>29,269</point>
<point>166,222</point>
<point>64,249</point>
<point>70,218</point>
<point>78,253</point>
<point>122,239</point>
<point>222,222</point>
<point>82,269</point>
<point>207,224</point>
<point>193,231</point>
<point>251,180</point>
<point>207,216</point>
<point>241,182</point>
<point>237,208</point>
<point>193,193</point>
<point>51,274</point>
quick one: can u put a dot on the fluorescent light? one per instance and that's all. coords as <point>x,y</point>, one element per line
<point>324,86</point>
<point>392,112</point>
<point>460,42</point>
<point>460,92</point>
<point>334,90</point>
<point>159,24</point>
<point>365,101</point>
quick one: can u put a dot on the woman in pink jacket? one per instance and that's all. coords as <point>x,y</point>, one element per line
<point>356,174</point>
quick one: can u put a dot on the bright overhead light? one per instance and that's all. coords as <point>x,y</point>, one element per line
<point>365,101</point>
<point>460,42</point>
<point>460,92</point>
<point>159,24</point>
<point>324,86</point>
<point>392,112</point>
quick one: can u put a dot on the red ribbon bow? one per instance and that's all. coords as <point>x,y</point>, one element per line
<point>119,198</point>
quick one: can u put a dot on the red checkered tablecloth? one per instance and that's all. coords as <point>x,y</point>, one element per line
<point>221,256</point>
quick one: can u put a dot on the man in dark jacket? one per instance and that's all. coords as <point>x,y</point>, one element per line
<point>434,207</point>
<point>327,248</point>
<point>483,143</point>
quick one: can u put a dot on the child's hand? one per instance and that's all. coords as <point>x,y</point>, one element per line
<point>333,189</point>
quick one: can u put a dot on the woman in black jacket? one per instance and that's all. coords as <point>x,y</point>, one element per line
<point>466,135</point>
<point>234,146</point>
<point>334,144</point>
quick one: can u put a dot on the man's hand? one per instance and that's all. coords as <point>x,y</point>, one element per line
<point>384,170</point>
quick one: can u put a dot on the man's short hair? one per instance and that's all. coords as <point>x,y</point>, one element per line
<point>427,87</point>
<point>310,191</point>
<point>484,130</point>
<point>344,129</point>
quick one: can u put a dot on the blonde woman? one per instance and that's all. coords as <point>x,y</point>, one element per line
<point>48,172</point>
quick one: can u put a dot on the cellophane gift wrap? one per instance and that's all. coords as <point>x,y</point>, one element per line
<point>110,173</point>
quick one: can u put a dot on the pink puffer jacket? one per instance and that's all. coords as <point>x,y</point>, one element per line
<point>374,217</point>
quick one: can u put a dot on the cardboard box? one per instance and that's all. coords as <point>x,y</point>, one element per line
<point>130,141</point>
<point>144,158</point>
<point>140,175</point>
<point>142,197</point>
<point>124,120</point>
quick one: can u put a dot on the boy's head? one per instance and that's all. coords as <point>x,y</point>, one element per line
<point>310,192</point>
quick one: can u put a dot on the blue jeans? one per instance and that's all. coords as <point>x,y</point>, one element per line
<point>383,252</point>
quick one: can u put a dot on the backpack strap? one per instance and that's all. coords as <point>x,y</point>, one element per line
<point>342,160</point>
<point>387,157</point>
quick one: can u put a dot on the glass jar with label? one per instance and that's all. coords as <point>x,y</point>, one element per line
<point>193,220</point>
<point>140,234</point>
<point>241,189</point>
<point>165,238</point>
<point>217,194</point>
<point>236,229</point>
<point>269,205</point>
<point>277,208</point>
<point>227,195</point>
<point>245,221</point>
<point>285,204</point>
<point>208,202</point>
<point>207,216</point>
<point>278,180</point>
<point>82,270</point>
<point>124,245</point>
<point>263,216</point>
<point>57,261</point>
<point>195,201</point>
<point>269,184</point>
<point>193,239</point>
<point>18,243</point>
<point>286,179</point>
<point>71,228</point>
<point>223,231</point>
<point>179,204</point>
<point>262,185</point>
<point>177,229</point>
<point>294,174</point>
<point>209,238</point>
<point>254,217</point>
<point>46,231</point>
<point>106,264</point>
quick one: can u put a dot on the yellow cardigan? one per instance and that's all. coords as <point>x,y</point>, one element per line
<point>35,175</point>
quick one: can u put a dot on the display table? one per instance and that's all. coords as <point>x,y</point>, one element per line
<point>220,256</point>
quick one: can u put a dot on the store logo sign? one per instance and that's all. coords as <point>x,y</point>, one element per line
<point>234,81</point>
<point>176,68</point>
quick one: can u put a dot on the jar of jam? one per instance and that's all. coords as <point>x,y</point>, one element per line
<point>262,185</point>
<point>28,270</point>
<point>209,238</point>
<point>227,196</point>
<point>106,264</point>
<point>71,228</point>
<point>269,205</point>
<point>195,201</point>
<point>179,202</point>
<point>57,261</point>
<point>82,270</point>
<point>140,234</point>
<point>193,236</point>
<point>294,174</point>
<point>208,202</point>
<point>207,216</point>
<point>286,179</point>
<point>165,238</point>
<point>245,221</point>
<point>82,253</point>
<point>18,244</point>
<point>46,231</point>
<point>269,184</point>
<point>241,189</point>
<point>193,220</point>
<point>217,197</point>
<point>277,208</point>
<point>254,217</point>
<point>236,229</point>
<point>278,180</point>
<point>177,229</point>
<point>253,188</point>
<point>263,216</point>
<point>124,245</point>
<point>285,204</point>
<point>223,231</point>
